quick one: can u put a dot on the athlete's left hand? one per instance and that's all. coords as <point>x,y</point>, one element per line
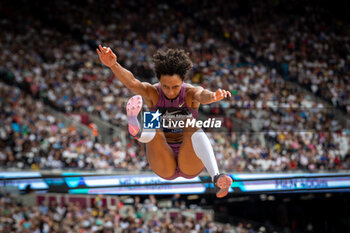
<point>220,94</point>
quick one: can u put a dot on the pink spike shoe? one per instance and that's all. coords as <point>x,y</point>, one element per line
<point>134,114</point>
<point>222,184</point>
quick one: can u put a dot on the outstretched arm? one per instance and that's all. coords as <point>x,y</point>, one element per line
<point>108,58</point>
<point>205,96</point>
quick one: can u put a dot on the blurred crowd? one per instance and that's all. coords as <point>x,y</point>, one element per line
<point>31,138</point>
<point>308,45</point>
<point>258,60</point>
<point>137,216</point>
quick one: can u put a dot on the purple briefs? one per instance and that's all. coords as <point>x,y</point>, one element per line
<point>178,173</point>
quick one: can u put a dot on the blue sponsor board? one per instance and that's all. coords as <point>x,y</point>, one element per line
<point>89,183</point>
<point>22,179</point>
<point>291,182</point>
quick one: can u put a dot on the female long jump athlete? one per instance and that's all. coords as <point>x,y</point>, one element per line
<point>171,153</point>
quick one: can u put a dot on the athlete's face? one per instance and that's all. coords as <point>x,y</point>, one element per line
<point>171,85</point>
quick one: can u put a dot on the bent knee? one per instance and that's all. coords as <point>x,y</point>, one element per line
<point>166,172</point>
<point>191,170</point>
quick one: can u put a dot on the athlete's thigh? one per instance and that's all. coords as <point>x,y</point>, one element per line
<point>188,162</point>
<point>160,156</point>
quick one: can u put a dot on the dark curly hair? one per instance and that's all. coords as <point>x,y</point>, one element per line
<point>173,61</point>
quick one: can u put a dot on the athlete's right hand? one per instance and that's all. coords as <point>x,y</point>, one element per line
<point>107,57</point>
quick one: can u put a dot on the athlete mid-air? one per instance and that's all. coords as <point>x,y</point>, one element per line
<point>171,152</point>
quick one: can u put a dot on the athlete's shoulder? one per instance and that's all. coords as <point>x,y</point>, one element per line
<point>191,89</point>
<point>151,93</point>
<point>155,88</point>
<point>149,88</point>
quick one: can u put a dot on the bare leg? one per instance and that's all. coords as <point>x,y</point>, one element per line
<point>188,161</point>
<point>160,156</point>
